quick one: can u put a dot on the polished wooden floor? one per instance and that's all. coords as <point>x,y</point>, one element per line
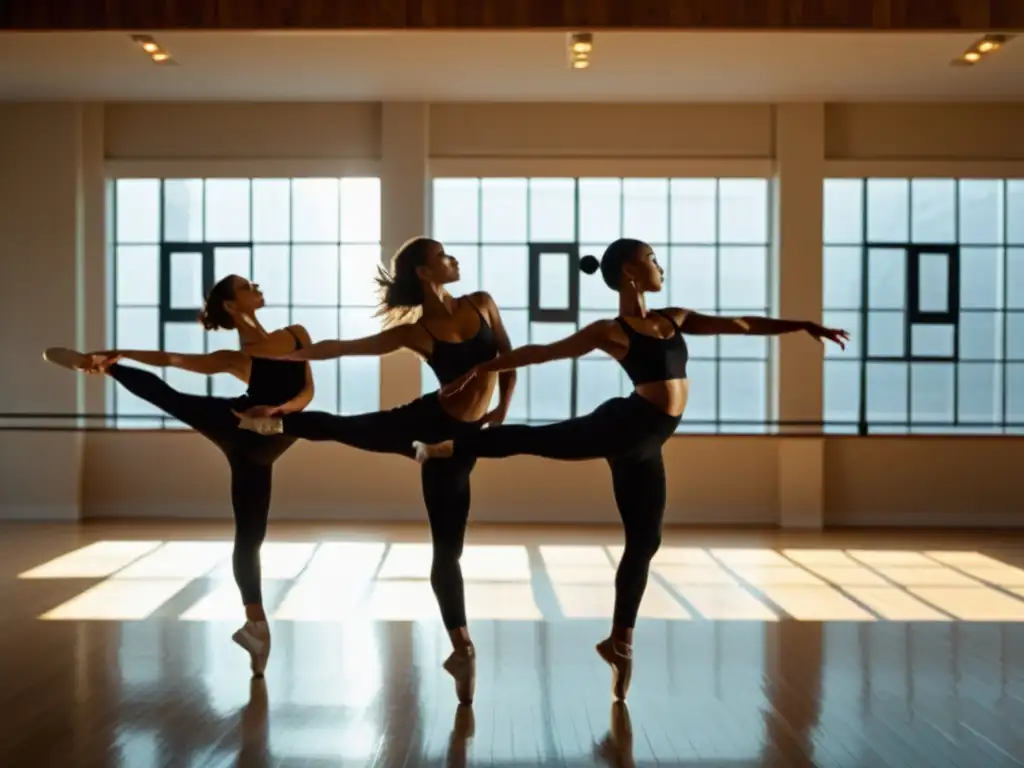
<point>873,649</point>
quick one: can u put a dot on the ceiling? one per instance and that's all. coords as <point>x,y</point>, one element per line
<point>506,66</point>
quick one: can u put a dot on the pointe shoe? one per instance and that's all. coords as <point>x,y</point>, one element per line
<point>68,358</point>
<point>79,362</point>
<point>619,657</point>
<point>422,451</point>
<point>426,452</point>
<point>254,638</point>
<point>461,665</point>
<point>261,425</point>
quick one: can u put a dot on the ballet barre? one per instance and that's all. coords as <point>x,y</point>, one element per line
<point>729,424</point>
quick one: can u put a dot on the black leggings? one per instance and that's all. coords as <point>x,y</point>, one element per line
<point>250,456</point>
<point>629,433</point>
<point>445,482</point>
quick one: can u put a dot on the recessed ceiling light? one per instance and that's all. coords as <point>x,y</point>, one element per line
<point>987,45</point>
<point>581,44</point>
<point>150,46</point>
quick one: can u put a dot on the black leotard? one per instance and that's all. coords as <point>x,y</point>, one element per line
<point>451,359</point>
<point>650,359</point>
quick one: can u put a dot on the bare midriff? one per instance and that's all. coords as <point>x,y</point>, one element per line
<point>669,396</point>
<point>473,401</point>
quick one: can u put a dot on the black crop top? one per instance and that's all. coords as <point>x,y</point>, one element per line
<point>451,359</point>
<point>273,382</point>
<point>650,359</point>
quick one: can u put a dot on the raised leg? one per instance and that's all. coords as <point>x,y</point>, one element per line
<point>209,415</point>
<point>389,431</point>
<point>597,435</point>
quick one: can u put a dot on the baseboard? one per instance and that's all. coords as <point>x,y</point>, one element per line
<point>40,513</point>
<point>1010,519</point>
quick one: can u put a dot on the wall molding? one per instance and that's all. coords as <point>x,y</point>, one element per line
<point>204,168</point>
<point>925,169</point>
<point>600,167</point>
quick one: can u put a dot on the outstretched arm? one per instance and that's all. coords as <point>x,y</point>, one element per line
<point>697,324</point>
<point>223,361</point>
<point>594,336</point>
<point>378,345</point>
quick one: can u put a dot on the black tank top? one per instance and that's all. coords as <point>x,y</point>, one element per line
<point>650,359</point>
<point>272,382</point>
<point>451,359</point>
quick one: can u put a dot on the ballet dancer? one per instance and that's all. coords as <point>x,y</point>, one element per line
<point>453,335</point>
<point>288,386</point>
<point>628,432</point>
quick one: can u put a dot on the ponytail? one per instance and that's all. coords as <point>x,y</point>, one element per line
<point>401,290</point>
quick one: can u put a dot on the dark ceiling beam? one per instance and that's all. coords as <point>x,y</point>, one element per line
<point>867,15</point>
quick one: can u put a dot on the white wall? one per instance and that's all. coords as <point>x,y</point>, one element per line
<point>51,217</point>
<point>46,150</point>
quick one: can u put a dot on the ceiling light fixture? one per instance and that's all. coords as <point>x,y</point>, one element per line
<point>580,46</point>
<point>150,46</point>
<point>981,48</point>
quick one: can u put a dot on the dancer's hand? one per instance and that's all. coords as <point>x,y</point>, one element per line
<point>459,384</point>
<point>835,335</point>
<point>99,362</point>
<point>496,417</point>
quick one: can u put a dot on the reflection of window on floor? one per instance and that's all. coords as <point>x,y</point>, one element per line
<point>711,235</point>
<point>312,245</point>
<point>928,276</point>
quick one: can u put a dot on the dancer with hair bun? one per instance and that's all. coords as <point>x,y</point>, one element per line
<point>628,432</point>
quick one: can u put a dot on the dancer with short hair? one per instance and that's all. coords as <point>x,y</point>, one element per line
<point>628,432</point>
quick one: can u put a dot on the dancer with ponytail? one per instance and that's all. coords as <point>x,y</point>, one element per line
<point>453,335</point>
<point>288,386</point>
<point>628,432</point>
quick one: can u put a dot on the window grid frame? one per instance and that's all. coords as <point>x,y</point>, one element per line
<point>163,421</point>
<point>866,426</point>
<point>718,425</point>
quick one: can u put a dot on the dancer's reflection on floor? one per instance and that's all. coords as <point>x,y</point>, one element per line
<point>616,749</point>
<point>254,749</point>
<point>463,730</point>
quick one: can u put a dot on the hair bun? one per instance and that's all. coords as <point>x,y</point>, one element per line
<point>590,264</point>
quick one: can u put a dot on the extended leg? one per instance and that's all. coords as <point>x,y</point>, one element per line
<point>594,436</point>
<point>380,432</point>
<point>209,415</point>
<point>639,486</point>
<point>250,500</point>
<point>446,492</point>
